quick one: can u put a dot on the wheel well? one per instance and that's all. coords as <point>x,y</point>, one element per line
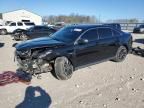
<point>126,48</point>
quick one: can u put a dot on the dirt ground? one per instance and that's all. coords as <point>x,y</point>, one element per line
<point>105,85</point>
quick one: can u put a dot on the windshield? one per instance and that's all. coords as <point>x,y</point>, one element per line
<point>67,34</point>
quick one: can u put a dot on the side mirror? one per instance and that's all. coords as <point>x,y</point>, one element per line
<point>82,41</point>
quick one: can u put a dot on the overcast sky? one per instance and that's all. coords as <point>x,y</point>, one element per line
<point>105,9</point>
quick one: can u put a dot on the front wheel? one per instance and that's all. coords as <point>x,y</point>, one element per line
<point>121,54</point>
<point>63,68</point>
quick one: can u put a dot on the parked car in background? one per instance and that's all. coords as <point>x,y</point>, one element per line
<point>114,25</point>
<point>15,25</point>
<point>59,25</point>
<point>33,32</point>
<point>139,29</point>
<point>72,47</point>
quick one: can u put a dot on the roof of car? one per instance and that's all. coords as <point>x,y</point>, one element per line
<point>88,26</point>
<point>42,26</point>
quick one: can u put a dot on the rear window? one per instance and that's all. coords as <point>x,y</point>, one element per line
<point>29,24</point>
<point>104,32</point>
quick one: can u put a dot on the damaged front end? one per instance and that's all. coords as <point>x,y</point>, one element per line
<point>34,61</point>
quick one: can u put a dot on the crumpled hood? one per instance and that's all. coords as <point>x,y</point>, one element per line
<point>38,43</point>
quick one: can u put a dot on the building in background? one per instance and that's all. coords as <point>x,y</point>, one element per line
<point>22,15</point>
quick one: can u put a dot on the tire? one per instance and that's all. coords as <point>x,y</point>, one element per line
<point>63,68</point>
<point>121,54</point>
<point>3,32</point>
<point>24,37</point>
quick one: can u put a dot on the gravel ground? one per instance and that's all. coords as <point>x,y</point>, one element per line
<point>105,85</point>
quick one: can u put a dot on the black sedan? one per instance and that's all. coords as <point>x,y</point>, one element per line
<point>139,29</point>
<point>73,47</point>
<point>33,32</point>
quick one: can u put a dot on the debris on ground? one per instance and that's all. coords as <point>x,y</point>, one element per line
<point>77,86</point>
<point>9,77</point>
<point>138,51</point>
<point>81,102</point>
<point>117,99</point>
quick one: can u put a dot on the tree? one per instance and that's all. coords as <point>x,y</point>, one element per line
<point>72,18</point>
<point>134,20</point>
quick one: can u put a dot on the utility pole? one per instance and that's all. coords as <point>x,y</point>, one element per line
<point>99,18</point>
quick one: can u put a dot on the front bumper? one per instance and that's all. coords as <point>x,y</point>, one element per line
<point>35,66</point>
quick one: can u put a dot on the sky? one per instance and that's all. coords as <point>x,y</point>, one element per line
<point>103,9</point>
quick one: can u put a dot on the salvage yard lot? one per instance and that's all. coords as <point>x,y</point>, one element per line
<point>109,84</point>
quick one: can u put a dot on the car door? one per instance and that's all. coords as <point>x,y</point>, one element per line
<point>12,27</point>
<point>88,52</point>
<point>20,25</point>
<point>108,42</point>
<point>35,32</point>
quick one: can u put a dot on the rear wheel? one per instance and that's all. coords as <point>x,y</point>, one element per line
<point>63,68</point>
<point>121,54</point>
<point>3,32</point>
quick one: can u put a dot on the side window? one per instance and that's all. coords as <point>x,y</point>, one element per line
<point>90,35</point>
<point>45,29</point>
<point>116,33</point>
<point>13,24</point>
<point>19,24</point>
<point>37,28</point>
<point>105,33</point>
